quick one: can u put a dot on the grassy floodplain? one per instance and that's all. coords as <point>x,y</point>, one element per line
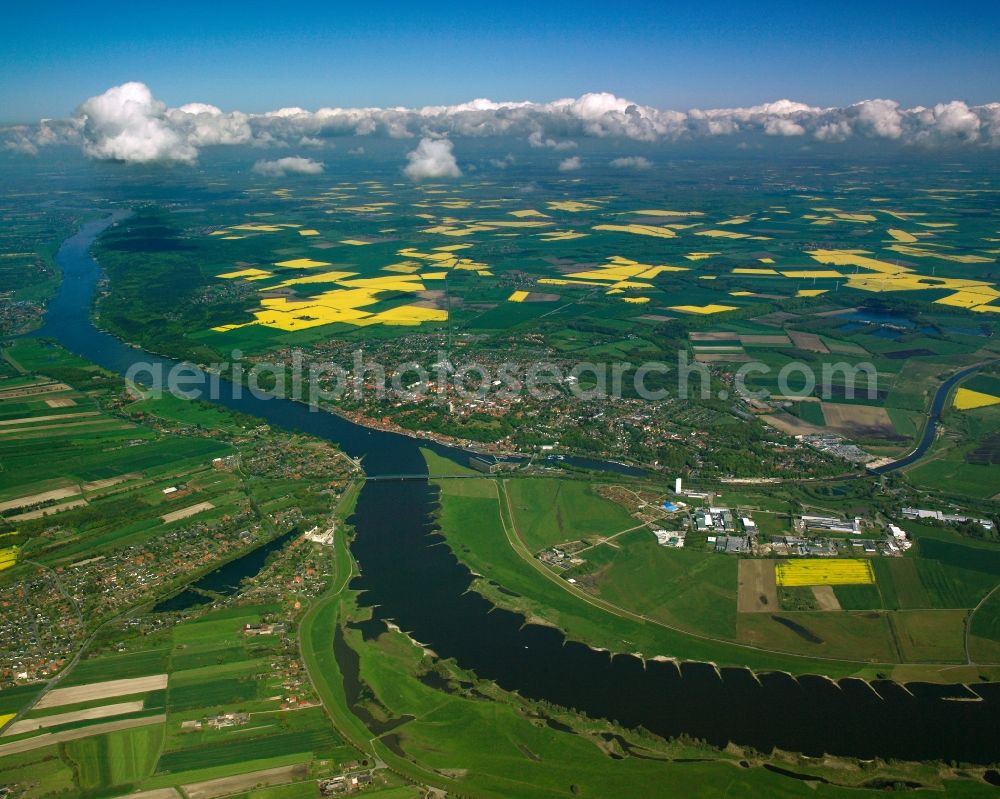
<point>630,595</point>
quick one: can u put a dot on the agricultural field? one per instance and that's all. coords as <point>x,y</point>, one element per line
<point>79,454</point>
<point>380,257</point>
<point>154,729</point>
<point>898,280</point>
<point>808,571</point>
<point>477,526</point>
<point>144,499</point>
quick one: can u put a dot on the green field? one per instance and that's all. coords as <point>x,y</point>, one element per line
<point>859,597</point>
<point>119,667</point>
<point>691,589</point>
<point>116,759</point>
<point>316,743</point>
<point>556,511</point>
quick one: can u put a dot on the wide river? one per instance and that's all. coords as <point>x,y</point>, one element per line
<point>409,577</point>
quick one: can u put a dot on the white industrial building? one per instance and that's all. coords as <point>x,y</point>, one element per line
<point>950,518</point>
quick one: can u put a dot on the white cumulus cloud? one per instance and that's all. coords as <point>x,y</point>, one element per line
<point>19,139</point>
<point>631,162</point>
<point>834,131</point>
<point>203,125</point>
<point>570,164</point>
<point>949,122</point>
<point>292,165</point>
<point>536,140</point>
<point>881,118</point>
<point>782,126</point>
<point>127,123</point>
<point>432,158</point>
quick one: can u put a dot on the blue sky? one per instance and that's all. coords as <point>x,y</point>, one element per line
<point>257,57</point>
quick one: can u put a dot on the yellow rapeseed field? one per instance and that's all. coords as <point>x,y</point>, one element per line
<point>302,263</point>
<point>245,273</point>
<point>527,212</point>
<point>561,235</point>
<point>966,399</point>
<point>824,571</point>
<point>8,557</point>
<point>813,273</point>
<point>723,234</point>
<point>703,309</point>
<point>621,269</point>
<point>659,231</point>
